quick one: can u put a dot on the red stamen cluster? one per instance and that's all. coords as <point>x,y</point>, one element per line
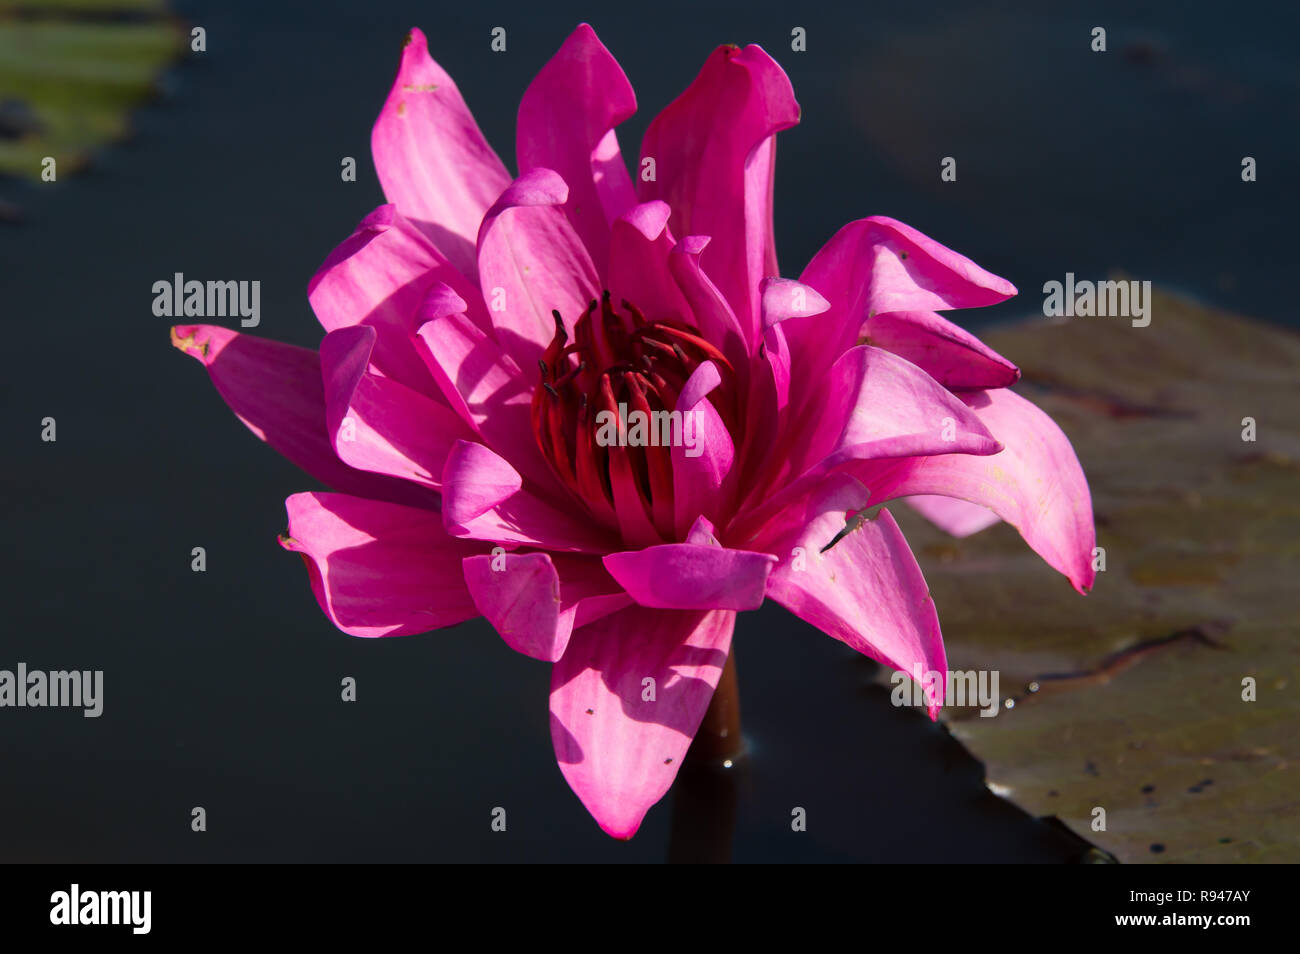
<point>620,358</point>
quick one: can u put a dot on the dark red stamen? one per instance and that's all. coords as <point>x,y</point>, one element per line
<point>620,358</point>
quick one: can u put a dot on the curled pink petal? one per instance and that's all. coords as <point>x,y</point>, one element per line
<point>875,266</point>
<point>783,298</point>
<point>952,356</point>
<point>881,265</point>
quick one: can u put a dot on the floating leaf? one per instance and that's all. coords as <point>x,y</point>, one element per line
<point>1139,707</point>
<point>71,71</point>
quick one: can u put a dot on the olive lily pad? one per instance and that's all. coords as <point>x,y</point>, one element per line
<point>1133,699</point>
<point>71,71</point>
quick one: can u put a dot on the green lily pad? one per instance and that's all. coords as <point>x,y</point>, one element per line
<point>1131,699</point>
<point>71,71</point>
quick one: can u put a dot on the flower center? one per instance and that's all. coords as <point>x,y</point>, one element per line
<point>619,369</point>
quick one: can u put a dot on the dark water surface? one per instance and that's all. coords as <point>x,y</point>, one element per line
<point>222,688</point>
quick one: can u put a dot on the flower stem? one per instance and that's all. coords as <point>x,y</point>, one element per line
<point>719,741</point>
<point>705,795</point>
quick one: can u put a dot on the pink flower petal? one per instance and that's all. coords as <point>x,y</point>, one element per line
<point>482,384</point>
<point>866,590</point>
<point>379,569</point>
<point>482,499</point>
<point>783,299</point>
<point>378,277</point>
<point>640,246</point>
<point>882,265</point>
<point>954,516</point>
<point>618,738</point>
<point>713,148</point>
<point>534,600</point>
<point>703,533</point>
<point>715,318</point>
<point>692,576</point>
<point>953,356</point>
<point>874,405</point>
<point>432,160</point>
<point>531,263</point>
<point>698,386</point>
<point>1035,483</point>
<point>276,390</point>
<point>875,397</point>
<point>378,424</point>
<point>566,123</point>
<point>875,266</point>
<point>476,480</point>
<point>769,396</point>
<point>701,472</point>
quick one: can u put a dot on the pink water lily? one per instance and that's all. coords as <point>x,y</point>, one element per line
<point>478,325</point>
